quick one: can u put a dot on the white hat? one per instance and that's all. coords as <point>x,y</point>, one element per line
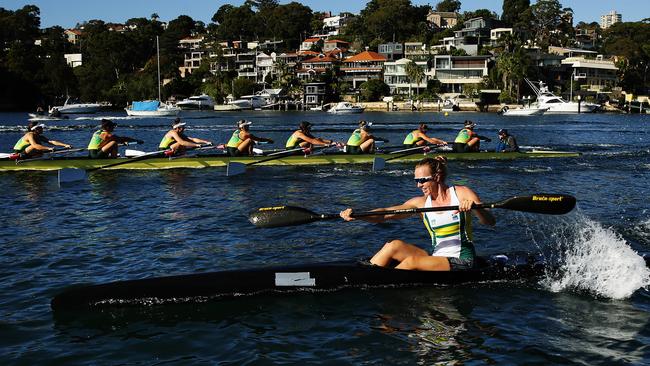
<point>40,125</point>
<point>243,123</point>
<point>177,125</point>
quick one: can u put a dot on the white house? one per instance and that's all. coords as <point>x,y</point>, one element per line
<point>397,79</point>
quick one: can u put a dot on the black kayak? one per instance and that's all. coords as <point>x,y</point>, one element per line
<point>281,279</point>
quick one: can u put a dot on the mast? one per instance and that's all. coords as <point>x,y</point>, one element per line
<point>158,63</point>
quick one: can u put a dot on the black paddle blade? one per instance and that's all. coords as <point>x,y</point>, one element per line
<point>281,216</point>
<point>543,203</point>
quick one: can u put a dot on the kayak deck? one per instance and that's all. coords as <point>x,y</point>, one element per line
<point>308,277</point>
<point>220,160</point>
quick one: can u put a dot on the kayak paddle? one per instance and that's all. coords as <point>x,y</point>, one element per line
<point>543,203</point>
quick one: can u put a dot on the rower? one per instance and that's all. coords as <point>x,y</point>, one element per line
<point>419,137</point>
<point>242,141</point>
<point>176,141</point>
<point>303,137</point>
<point>31,144</point>
<point>361,141</point>
<point>507,142</point>
<point>450,231</point>
<point>468,140</point>
<point>103,144</point>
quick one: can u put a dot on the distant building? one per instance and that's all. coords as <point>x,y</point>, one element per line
<point>570,52</point>
<point>73,59</point>
<point>332,25</point>
<point>586,37</point>
<point>454,72</point>
<point>363,67</point>
<point>332,44</point>
<point>610,19</point>
<point>416,51</point>
<point>397,79</point>
<point>73,35</point>
<point>315,66</point>
<point>190,43</point>
<point>497,33</point>
<point>391,50</point>
<point>308,43</point>
<point>313,94</point>
<point>442,19</point>
<point>595,74</point>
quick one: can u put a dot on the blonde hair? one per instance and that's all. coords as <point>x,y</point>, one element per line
<point>437,165</point>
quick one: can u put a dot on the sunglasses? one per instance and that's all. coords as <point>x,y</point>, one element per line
<point>423,180</point>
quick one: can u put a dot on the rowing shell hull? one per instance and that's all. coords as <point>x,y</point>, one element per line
<point>222,160</point>
<point>309,277</point>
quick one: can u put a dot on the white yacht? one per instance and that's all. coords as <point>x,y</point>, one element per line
<point>248,102</point>
<point>523,111</point>
<point>345,107</point>
<point>197,102</point>
<point>557,105</point>
<point>71,107</point>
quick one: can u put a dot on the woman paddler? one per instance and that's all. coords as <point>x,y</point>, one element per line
<point>103,144</point>
<point>31,144</point>
<point>302,137</point>
<point>451,231</point>
<point>176,141</point>
<point>242,141</point>
<point>419,137</point>
<point>361,141</point>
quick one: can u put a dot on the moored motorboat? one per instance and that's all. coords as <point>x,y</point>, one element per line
<point>557,105</point>
<point>151,108</point>
<point>222,160</point>
<point>201,102</point>
<point>289,279</point>
<point>345,107</point>
<point>523,111</point>
<point>76,108</point>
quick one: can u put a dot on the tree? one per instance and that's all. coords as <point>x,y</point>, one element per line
<point>512,68</point>
<point>374,89</point>
<point>514,11</point>
<point>242,86</point>
<point>551,24</point>
<point>448,6</point>
<point>631,42</point>
<point>414,73</point>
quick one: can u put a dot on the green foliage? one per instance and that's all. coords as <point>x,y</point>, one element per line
<point>551,24</point>
<point>243,86</point>
<point>374,89</point>
<point>514,12</point>
<point>448,5</point>
<point>381,20</point>
<point>506,97</point>
<point>631,42</point>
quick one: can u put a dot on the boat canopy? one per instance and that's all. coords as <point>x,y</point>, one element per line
<point>147,105</point>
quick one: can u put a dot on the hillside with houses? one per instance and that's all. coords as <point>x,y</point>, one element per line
<point>394,53</point>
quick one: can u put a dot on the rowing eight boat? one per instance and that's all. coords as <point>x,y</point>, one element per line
<point>220,160</point>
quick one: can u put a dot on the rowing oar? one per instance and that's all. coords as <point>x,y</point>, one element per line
<point>543,203</point>
<point>48,155</point>
<point>380,163</point>
<point>67,175</point>
<point>235,168</point>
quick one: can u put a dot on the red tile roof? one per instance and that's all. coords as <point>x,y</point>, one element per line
<point>366,56</point>
<point>312,40</point>
<point>320,59</point>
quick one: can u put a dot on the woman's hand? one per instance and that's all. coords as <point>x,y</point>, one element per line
<point>347,215</point>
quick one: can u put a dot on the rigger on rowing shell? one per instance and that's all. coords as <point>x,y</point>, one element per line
<point>450,231</point>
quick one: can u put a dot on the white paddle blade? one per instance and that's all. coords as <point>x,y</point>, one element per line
<point>258,151</point>
<point>378,164</point>
<point>4,155</point>
<point>235,168</point>
<point>130,153</point>
<point>68,175</point>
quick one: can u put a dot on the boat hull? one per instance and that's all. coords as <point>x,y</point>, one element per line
<point>158,113</point>
<point>220,160</point>
<point>286,279</point>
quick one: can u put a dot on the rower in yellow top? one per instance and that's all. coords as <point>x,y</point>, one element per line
<point>419,137</point>
<point>176,141</point>
<point>361,141</point>
<point>103,144</point>
<point>242,141</point>
<point>468,140</point>
<point>303,137</point>
<point>31,144</point>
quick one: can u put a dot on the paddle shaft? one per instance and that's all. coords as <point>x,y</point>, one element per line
<point>407,211</point>
<point>127,161</point>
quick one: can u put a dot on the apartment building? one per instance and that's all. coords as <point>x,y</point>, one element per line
<point>454,72</point>
<point>362,67</point>
<point>396,78</point>
<point>609,19</point>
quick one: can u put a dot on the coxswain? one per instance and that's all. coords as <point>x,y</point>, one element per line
<point>242,141</point>
<point>450,231</point>
<point>31,145</point>
<point>176,141</point>
<point>468,140</point>
<point>103,144</point>
<point>419,138</point>
<point>507,142</point>
<point>302,137</point>
<point>361,141</point>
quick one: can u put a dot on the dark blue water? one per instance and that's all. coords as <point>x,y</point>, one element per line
<point>135,224</point>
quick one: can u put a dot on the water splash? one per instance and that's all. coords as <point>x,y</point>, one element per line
<point>598,260</point>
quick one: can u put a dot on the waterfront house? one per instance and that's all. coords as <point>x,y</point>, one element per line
<point>454,72</point>
<point>332,44</point>
<point>397,79</point>
<point>416,51</point>
<point>391,51</point>
<point>313,94</point>
<point>315,66</point>
<point>307,44</point>
<point>594,74</point>
<point>363,67</point>
<point>73,35</point>
<point>476,32</point>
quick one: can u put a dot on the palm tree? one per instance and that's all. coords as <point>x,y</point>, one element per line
<point>414,73</point>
